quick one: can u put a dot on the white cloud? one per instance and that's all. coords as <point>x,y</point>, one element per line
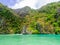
<point>31,3</point>
<point>42,2</point>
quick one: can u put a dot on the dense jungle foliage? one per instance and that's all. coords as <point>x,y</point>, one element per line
<point>44,20</point>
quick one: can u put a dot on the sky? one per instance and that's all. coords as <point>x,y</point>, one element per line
<point>35,4</point>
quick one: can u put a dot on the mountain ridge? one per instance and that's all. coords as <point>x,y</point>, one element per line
<point>45,20</point>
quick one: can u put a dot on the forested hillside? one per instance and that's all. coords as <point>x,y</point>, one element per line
<point>9,21</point>
<point>44,20</point>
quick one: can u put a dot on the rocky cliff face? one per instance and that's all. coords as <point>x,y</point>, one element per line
<point>23,11</point>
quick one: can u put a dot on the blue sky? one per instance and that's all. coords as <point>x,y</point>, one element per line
<point>8,2</point>
<point>14,4</point>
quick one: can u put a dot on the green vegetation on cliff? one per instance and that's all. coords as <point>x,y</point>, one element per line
<point>27,20</point>
<point>9,21</point>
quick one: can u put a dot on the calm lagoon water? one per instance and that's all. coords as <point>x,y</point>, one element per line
<point>16,39</point>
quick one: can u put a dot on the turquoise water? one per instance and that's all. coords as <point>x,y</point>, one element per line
<point>16,39</point>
